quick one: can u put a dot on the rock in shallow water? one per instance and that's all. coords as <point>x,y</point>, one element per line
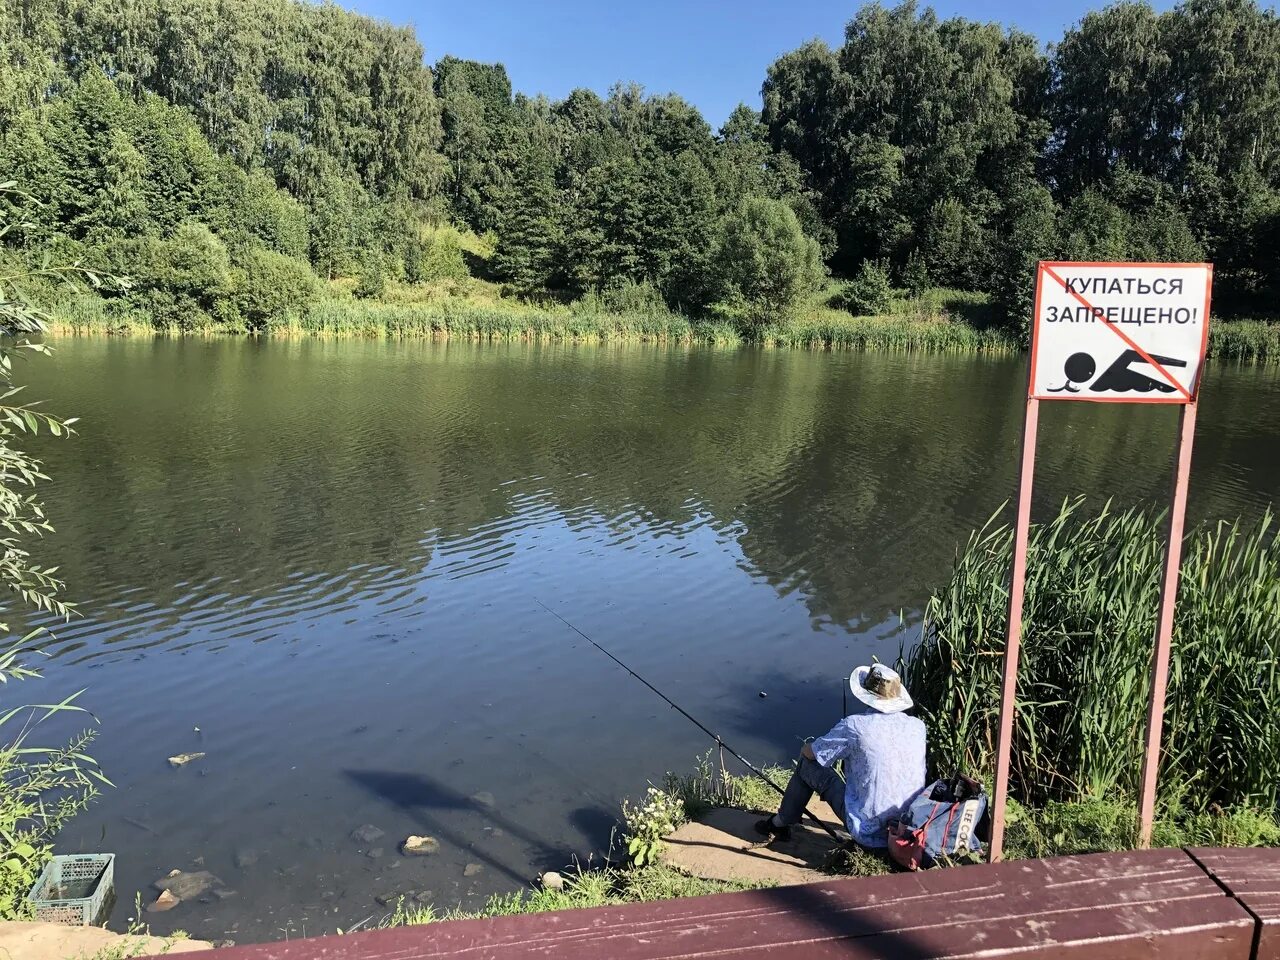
<point>367,833</point>
<point>166,901</point>
<point>483,799</point>
<point>188,885</point>
<point>419,846</point>
<point>472,870</point>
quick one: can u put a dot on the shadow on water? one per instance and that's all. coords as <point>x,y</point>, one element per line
<point>598,826</point>
<point>793,709</point>
<point>435,806</point>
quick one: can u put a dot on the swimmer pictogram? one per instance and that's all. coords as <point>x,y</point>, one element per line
<point>1120,377</point>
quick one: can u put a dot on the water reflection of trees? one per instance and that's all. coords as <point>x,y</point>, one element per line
<point>848,478</point>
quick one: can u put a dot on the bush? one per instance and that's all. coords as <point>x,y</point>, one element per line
<point>39,788</point>
<point>647,825</point>
<point>372,281</point>
<point>869,293</point>
<point>915,275</point>
<point>433,259</point>
<point>42,790</point>
<point>183,281</point>
<point>270,285</point>
<point>625,296</point>
<point>763,260</point>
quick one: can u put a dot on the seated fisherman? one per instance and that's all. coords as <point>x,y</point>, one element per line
<point>884,754</point>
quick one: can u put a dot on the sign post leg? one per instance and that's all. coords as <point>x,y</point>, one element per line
<point>1017,588</point>
<point>1164,626</point>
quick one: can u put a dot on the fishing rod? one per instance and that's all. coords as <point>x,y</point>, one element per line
<point>688,716</point>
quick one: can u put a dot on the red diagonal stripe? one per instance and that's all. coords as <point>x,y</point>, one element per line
<point>1099,315</point>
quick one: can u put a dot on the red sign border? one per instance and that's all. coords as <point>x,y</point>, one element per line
<point>1188,397</point>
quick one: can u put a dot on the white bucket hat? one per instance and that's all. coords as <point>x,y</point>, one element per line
<point>886,695</point>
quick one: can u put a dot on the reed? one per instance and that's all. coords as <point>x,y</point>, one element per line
<point>1255,341</point>
<point>1091,598</point>
<point>942,321</point>
<point>933,333</point>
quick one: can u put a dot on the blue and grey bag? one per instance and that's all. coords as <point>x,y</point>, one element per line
<point>940,822</point>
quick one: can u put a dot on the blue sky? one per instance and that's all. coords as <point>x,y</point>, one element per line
<point>712,52</point>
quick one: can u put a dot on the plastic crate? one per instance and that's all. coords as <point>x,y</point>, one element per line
<point>90,876</point>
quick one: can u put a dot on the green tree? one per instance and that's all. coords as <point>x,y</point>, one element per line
<point>869,292</point>
<point>477,120</point>
<point>764,262</point>
<point>915,275</point>
<point>1027,234</point>
<point>529,239</point>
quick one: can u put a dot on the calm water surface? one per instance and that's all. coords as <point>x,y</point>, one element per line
<point>325,558</point>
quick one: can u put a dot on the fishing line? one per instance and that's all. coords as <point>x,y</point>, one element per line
<point>688,716</point>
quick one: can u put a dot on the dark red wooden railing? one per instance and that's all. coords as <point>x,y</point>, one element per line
<point>1202,904</point>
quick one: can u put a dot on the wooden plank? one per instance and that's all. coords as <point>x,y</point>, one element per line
<point>1252,876</point>
<point>1140,904</point>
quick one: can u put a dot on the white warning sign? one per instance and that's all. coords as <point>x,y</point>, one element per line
<point>1120,332</point>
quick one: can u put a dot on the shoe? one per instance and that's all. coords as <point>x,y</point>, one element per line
<point>766,829</point>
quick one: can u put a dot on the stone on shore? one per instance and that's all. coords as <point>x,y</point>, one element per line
<point>552,881</point>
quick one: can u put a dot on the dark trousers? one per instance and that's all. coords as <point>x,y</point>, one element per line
<point>811,777</point>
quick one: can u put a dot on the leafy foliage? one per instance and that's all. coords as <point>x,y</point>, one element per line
<point>647,825</point>
<point>955,152</point>
<point>40,788</point>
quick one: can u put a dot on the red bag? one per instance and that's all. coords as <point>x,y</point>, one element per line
<point>906,845</point>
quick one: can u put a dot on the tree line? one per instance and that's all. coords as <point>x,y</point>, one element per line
<point>230,154</point>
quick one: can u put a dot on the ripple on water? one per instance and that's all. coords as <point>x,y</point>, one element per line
<point>326,559</point>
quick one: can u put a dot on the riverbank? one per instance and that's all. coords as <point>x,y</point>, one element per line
<point>940,321</point>
<point>1056,829</point>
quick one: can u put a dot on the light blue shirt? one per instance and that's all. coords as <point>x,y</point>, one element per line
<point>883,770</point>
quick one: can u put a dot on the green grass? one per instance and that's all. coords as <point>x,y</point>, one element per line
<point>582,888</point>
<point>1061,828</point>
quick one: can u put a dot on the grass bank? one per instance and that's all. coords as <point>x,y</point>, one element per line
<point>940,321</point>
<point>474,313</point>
<point>1054,829</point>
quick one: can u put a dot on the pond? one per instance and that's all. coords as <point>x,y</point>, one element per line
<point>320,564</point>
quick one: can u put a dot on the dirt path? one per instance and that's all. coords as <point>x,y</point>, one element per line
<point>23,940</point>
<point>722,845</point>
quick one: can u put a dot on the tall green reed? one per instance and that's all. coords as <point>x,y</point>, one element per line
<point>1091,598</point>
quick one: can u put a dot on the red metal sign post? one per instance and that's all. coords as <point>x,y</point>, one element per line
<point>1079,351</point>
<point>1164,626</point>
<point>1013,643</point>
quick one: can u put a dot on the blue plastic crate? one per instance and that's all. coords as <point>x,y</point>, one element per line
<point>74,889</point>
